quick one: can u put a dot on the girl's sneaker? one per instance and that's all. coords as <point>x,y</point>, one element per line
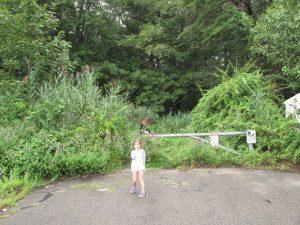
<point>132,190</point>
<point>142,194</point>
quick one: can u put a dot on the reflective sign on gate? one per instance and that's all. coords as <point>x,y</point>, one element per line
<point>214,139</point>
<point>251,137</point>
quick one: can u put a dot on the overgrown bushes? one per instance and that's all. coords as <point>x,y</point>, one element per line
<point>69,129</point>
<point>186,153</point>
<point>14,100</point>
<point>246,101</point>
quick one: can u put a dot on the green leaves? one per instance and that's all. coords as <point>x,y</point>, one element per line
<point>275,44</point>
<point>219,35</point>
<point>246,101</point>
<point>25,30</point>
<point>14,100</point>
<point>69,129</point>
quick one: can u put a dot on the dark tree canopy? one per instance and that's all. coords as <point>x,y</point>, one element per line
<point>161,52</point>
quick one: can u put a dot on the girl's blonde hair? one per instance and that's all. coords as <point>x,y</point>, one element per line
<point>139,141</point>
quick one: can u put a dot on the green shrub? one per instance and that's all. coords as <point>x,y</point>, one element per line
<point>38,154</point>
<point>255,158</point>
<point>172,123</point>
<point>244,102</point>
<point>14,100</point>
<point>73,164</point>
<point>12,140</point>
<point>30,155</point>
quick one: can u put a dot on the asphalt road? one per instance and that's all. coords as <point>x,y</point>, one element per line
<point>201,196</point>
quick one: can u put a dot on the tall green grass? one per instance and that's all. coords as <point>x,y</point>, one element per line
<point>68,128</point>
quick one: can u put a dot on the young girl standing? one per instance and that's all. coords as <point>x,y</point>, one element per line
<point>138,157</point>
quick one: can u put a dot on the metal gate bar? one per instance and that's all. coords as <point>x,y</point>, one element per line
<point>197,134</point>
<point>251,137</point>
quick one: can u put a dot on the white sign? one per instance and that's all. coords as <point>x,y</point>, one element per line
<point>251,137</point>
<point>214,139</point>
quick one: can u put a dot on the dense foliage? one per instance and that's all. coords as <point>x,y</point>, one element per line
<point>245,102</point>
<point>77,77</point>
<point>27,40</point>
<point>275,45</point>
<point>70,129</point>
<point>140,44</point>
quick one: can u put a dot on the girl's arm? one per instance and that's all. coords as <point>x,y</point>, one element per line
<point>144,156</point>
<point>133,155</point>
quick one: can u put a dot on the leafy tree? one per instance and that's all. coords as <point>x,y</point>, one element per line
<point>155,89</point>
<point>218,36</point>
<point>275,45</point>
<point>180,42</point>
<point>26,40</point>
<point>186,42</point>
<point>91,27</point>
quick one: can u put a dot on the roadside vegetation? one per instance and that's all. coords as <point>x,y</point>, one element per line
<point>76,80</point>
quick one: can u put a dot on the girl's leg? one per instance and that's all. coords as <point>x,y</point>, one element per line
<point>141,179</point>
<point>134,177</point>
<point>132,189</point>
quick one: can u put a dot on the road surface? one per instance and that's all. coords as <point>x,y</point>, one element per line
<point>199,196</point>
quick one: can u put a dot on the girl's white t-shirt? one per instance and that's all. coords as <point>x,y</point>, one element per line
<point>138,160</point>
